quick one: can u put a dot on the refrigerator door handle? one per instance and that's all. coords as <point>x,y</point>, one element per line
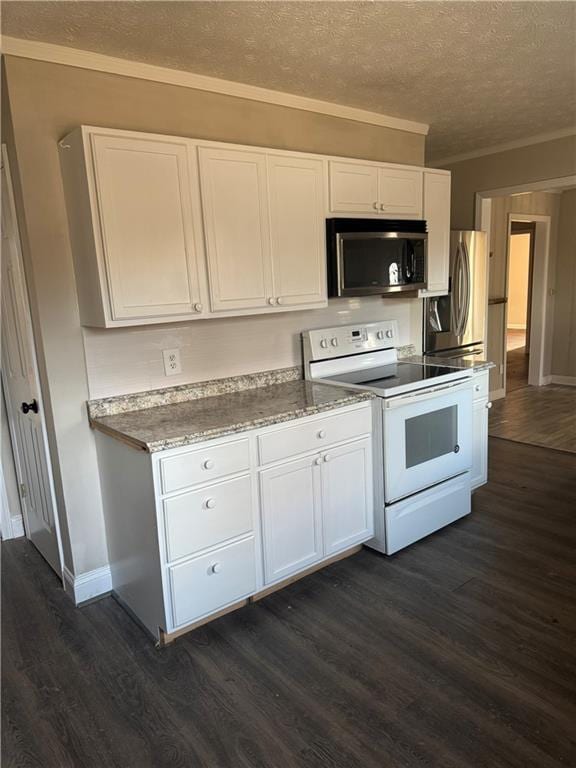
<point>454,293</point>
<point>467,291</point>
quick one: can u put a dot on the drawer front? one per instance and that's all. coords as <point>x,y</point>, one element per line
<point>206,517</point>
<point>316,435</point>
<point>480,388</point>
<point>207,583</point>
<point>203,465</point>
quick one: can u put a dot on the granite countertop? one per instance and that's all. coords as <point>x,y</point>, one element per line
<point>182,423</point>
<point>463,363</point>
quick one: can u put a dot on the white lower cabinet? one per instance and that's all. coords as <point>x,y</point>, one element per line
<point>480,411</point>
<point>195,531</point>
<point>291,522</point>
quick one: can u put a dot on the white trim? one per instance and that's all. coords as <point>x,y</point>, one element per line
<point>540,138</point>
<point>516,326</point>
<point>17,524</point>
<point>89,585</point>
<point>74,57</point>
<point>497,394</point>
<point>569,381</point>
<point>548,185</point>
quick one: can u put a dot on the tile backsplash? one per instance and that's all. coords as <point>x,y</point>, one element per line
<point>124,360</point>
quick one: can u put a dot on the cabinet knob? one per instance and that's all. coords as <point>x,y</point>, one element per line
<point>321,433</point>
<point>488,405</point>
<point>272,301</point>
<point>327,458</point>
<point>215,568</point>
<point>375,206</point>
<point>198,307</point>
<point>477,387</point>
<point>210,503</point>
<point>279,300</point>
<point>318,461</point>
<point>382,207</point>
<point>208,464</point>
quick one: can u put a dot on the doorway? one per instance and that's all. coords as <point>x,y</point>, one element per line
<point>518,316</point>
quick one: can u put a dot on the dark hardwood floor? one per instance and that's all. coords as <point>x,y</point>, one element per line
<point>455,653</point>
<point>517,362</point>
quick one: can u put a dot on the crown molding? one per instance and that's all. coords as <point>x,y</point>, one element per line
<point>539,139</point>
<point>74,57</point>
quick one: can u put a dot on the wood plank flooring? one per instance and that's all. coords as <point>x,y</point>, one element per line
<point>543,416</point>
<point>457,652</point>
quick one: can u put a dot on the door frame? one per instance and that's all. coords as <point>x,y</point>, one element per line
<point>541,330</point>
<point>29,331</point>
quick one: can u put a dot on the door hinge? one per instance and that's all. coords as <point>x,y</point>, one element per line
<point>23,491</point>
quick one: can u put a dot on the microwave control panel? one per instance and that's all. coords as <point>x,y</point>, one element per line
<point>326,343</point>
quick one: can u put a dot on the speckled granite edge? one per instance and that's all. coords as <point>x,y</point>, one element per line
<point>110,406</point>
<point>408,350</point>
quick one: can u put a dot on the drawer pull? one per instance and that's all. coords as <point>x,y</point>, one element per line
<point>208,464</point>
<point>318,461</point>
<point>327,458</point>
<point>321,434</point>
<point>210,503</point>
<point>488,405</point>
<point>477,387</point>
<point>215,568</point>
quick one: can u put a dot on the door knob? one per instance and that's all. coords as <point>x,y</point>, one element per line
<point>27,407</point>
<point>456,448</point>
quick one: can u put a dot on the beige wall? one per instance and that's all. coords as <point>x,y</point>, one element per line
<point>564,348</point>
<point>538,162</point>
<point>541,203</point>
<point>518,273</point>
<point>47,101</point>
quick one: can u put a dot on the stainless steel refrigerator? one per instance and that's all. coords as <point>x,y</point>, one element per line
<point>455,324</point>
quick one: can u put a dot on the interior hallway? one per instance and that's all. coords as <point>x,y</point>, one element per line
<point>454,652</point>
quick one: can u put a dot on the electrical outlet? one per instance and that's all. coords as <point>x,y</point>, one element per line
<point>172,364</point>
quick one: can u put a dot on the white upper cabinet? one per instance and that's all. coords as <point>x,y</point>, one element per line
<point>236,221</point>
<point>437,215</point>
<point>297,230</point>
<point>400,192</point>
<point>375,189</point>
<point>138,256</point>
<point>353,188</point>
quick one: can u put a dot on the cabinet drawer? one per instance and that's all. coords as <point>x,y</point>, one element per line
<point>315,435</point>
<point>480,388</point>
<point>206,517</point>
<point>207,583</point>
<point>203,465</point>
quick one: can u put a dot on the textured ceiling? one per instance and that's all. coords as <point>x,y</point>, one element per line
<point>480,73</point>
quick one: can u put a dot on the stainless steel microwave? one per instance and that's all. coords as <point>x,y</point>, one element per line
<point>375,256</point>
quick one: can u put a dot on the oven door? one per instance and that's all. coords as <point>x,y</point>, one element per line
<point>427,438</point>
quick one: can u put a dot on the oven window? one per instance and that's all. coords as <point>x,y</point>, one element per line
<point>431,435</point>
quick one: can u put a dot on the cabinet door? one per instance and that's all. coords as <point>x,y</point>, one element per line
<point>235,200</point>
<point>347,496</point>
<point>479,473</point>
<point>353,188</point>
<point>400,192</point>
<point>143,189</point>
<point>437,215</point>
<point>290,499</point>
<point>297,230</point>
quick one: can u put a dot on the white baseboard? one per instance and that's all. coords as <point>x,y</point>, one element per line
<point>87,585</point>
<point>544,381</point>
<point>569,381</point>
<point>516,326</point>
<point>17,524</point>
<point>497,394</point>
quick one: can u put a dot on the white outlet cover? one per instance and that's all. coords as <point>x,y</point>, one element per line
<point>172,364</point>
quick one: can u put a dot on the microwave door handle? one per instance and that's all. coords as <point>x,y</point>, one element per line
<point>410,261</point>
<point>434,317</point>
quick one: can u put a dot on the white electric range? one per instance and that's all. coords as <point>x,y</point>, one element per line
<point>423,427</point>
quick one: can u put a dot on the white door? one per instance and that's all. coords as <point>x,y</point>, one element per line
<point>146,220</point>
<point>236,223</point>
<point>353,188</point>
<point>22,392</point>
<point>479,472</point>
<point>400,192</point>
<point>437,215</point>
<point>297,230</point>
<point>347,495</point>
<point>291,517</point>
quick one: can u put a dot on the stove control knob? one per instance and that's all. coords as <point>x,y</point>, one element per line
<point>323,343</point>
<point>334,342</point>
<point>389,333</point>
<point>380,335</point>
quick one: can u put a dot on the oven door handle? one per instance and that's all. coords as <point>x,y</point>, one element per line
<point>411,398</point>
